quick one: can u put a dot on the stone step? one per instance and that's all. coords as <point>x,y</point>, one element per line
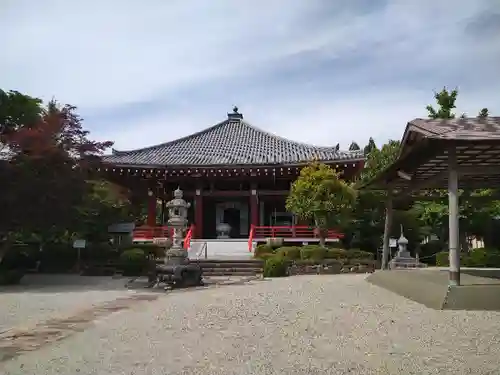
<point>232,269</point>
<point>233,273</point>
<point>229,264</point>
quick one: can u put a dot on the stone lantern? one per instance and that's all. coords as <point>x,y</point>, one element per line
<point>177,213</point>
<point>177,271</point>
<point>403,258</point>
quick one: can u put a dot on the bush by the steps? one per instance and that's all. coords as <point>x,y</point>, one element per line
<point>262,251</point>
<point>334,253</point>
<point>276,266</point>
<point>315,252</point>
<point>133,262</point>
<point>359,254</point>
<point>289,252</point>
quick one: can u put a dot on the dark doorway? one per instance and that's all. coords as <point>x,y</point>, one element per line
<point>232,217</point>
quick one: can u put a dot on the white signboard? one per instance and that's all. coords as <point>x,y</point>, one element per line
<point>79,244</point>
<point>393,242</point>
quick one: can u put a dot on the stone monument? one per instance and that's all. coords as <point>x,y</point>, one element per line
<point>403,258</point>
<point>176,269</point>
<point>177,219</point>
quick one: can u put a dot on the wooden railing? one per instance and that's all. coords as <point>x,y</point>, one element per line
<point>294,231</point>
<point>189,235</point>
<point>250,237</point>
<point>148,233</point>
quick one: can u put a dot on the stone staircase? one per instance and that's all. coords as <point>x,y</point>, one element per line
<point>228,267</point>
<point>225,257</point>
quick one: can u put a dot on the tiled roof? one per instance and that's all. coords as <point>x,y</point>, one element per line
<point>472,128</point>
<point>231,142</point>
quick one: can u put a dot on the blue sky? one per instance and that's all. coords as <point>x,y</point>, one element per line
<point>318,71</point>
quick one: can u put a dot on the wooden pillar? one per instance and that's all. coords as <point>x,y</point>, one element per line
<point>254,206</point>
<point>151,220</point>
<point>198,214</point>
<point>454,240</point>
<point>387,231</point>
<point>163,216</point>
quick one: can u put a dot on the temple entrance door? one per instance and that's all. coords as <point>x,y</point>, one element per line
<point>232,217</point>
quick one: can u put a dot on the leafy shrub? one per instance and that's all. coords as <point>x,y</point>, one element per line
<point>58,257</point>
<point>276,266</point>
<point>152,249</point>
<point>479,257</point>
<point>260,250</point>
<point>15,259</point>
<point>289,252</point>
<point>482,257</point>
<point>315,252</point>
<point>358,254</point>
<point>442,259</point>
<point>133,262</point>
<point>429,249</point>
<point>11,277</point>
<point>265,256</point>
<point>306,262</point>
<point>101,251</point>
<point>336,254</point>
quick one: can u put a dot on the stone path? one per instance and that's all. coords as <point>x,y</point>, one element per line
<point>299,325</point>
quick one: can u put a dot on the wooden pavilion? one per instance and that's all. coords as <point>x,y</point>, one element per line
<point>442,154</point>
<point>231,172</point>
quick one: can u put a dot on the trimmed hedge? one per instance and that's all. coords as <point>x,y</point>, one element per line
<point>359,254</point>
<point>289,252</point>
<point>479,257</point>
<point>442,259</point>
<point>151,249</point>
<point>262,250</point>
<point>315,252</point>
<point>336,254</point>
<point>276,266</point>
<point>133,262</point>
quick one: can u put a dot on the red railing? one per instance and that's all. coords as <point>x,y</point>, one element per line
<point>146,232</point>
<point>250,237</point>
<point>189,235</point>
<point>295,231</point>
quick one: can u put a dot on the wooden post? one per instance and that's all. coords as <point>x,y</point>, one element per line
<point>453,223</point>
<point>387,231</point>
<point>151,220</point>
<point>198,214</point>
<point>162,216</point>
<point>254,206</point>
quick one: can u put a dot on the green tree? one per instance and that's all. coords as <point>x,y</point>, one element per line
<point>369,214</point>
<point>321,195</point>
<point>354,147</point>
<point>370,146</point>
<point>379,159</point>
<point>446,104</point>
<point>483,113</point>
<point>103,204</point>
<point>17,110</point>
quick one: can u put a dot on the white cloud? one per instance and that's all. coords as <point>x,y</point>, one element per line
<point>103,56</point>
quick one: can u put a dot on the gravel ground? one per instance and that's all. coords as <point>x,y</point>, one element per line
<point>300,325</point>
<point>47,296</point>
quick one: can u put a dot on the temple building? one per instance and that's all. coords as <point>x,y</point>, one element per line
<point>232,173</point>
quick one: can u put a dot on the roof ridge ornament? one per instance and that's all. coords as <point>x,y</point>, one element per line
<point>235,115</point>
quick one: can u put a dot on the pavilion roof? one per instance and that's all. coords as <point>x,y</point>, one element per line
<point>230,142</point>
<point>423,157</point>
